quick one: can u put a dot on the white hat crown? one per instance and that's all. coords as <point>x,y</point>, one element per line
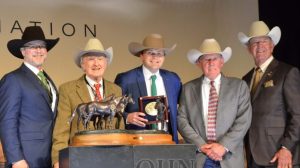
<point>94,45</point>
<point>258,29</point>
<point>209,46</point>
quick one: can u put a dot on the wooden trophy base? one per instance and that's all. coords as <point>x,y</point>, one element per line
<point>121,137</point>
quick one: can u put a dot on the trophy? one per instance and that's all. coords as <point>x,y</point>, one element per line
<point>156,110</point>
<point>101,112</point>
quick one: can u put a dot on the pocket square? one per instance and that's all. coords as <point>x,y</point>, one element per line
<point>269,83</point>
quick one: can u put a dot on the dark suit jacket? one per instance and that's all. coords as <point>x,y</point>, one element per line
<point>26,118</point>
<point>276,113</point>
<point>133,82</point>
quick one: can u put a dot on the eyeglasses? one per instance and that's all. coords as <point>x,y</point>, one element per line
<point>35,47</point>
<point>154,52</point>
<point>259,40</point>
<point>209,58</point>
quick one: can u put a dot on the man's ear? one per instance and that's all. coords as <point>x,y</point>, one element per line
<point>249,48</point>
<point>22,51</point>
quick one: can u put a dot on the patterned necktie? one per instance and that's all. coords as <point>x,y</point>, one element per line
<point>44,81</point>
<point>98,96</point>
<point>212,113</point>
<point>153,86</point>
<point>257,77</point>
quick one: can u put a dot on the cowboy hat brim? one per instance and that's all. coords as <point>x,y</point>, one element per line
<point>136,49</point>
<point>14,46</point>
<point>108,53</point>
<point>194,54</point>
<point>274,34</point>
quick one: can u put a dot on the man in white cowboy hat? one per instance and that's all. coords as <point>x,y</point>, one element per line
<point>274,138</point>
<point>93,60</point>
<point>28,102</point>
<point>138,81</point>
<point>214,111</point>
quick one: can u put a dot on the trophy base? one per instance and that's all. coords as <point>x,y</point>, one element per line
<point>121,137</point>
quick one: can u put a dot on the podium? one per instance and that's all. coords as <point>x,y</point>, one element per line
<point>128,156</point>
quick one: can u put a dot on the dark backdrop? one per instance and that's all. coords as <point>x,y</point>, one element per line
<point>284,14</point>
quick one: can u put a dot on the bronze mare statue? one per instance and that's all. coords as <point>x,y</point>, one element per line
<point>121,107</point>
<point>100,112</point>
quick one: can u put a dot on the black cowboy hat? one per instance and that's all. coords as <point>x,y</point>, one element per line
<point>31,33</point>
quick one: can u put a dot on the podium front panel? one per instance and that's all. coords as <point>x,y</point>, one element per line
<point>164,156</point>
<point>140,156</point>
<point>96,157</point>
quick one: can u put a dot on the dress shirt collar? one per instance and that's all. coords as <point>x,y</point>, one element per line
<point>91,82</point>
<point>216,83</point>
<point>265,65</point>
<point>147,73</point>
<point>32,68</point>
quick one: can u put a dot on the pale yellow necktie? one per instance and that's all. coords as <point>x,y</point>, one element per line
<point>257,78</point>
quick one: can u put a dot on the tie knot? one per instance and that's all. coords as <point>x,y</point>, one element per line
<point>212,83</point>
<point>97,85</point>
<point>41,74</point>
<point>258,69</point>
<point>153,77</point>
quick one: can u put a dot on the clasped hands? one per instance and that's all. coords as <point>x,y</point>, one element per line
<point>136,118</point>
<point>214,151</point>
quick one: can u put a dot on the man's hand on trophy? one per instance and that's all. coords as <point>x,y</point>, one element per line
<point>136,118</point>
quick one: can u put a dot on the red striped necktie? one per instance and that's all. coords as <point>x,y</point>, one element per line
<point>212,113</point>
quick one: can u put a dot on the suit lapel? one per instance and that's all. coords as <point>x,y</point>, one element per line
<point>36,82</point>
<point>221,104</point>
<point>108,88</point>
<point>82,90</point>
<point>248,77</point>
<point>141,82</point>
<point>55,90</point>
<point>197,95</point>
<point>168,86</point>
<point>266,77</point>
<point>50,80</point>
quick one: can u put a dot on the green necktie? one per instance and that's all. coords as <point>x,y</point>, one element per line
<point>153,86</point>
<point>44,81</point>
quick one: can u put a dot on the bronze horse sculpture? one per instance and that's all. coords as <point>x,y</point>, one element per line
<point>99,112</point>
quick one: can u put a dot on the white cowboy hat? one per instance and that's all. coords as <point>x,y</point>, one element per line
<point>208,46</point>
<point>152,41</point>
<point>259,28</point>
<point>95,47</point>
